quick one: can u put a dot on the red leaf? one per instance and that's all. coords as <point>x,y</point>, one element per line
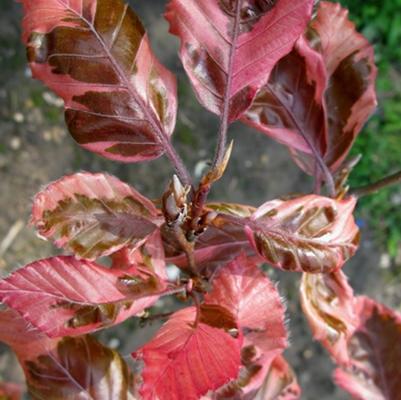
<point>291,107</point>
<point>185,361</point>
<point>226,65</point>
<point>350,94</point>
<point>26,341</point>
<point>63,296</point>
<point>221,242</point>
<point>311,233</point>
<point>120,101</point>
<point>375,354</point>
<point>328,304</point>
<point>243,289</point>
<point>93,215</point>
<point>67,369</point>
<point>10,391</point>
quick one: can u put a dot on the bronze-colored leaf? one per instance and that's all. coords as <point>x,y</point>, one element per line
<point>79,368</point>
<point>120,102</point>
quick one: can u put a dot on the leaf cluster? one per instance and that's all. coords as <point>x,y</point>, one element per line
<point>305,79</point>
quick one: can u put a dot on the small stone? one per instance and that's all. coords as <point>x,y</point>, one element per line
<point>385,261</point>
<point>52,99</point>
<point>18,117</point>
<point>47,136</point>
<point>264,159</point>
<point>173,272</point>
<point>114,343</point>
<point>15,143</point>
<point>308,354</point>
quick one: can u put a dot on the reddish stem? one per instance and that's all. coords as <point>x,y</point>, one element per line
<point>196,300</point>
<point>222,143</point>
<point>202,193</point>
<point>376,186</point>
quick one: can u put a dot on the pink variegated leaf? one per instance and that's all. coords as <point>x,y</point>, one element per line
<point>93,215</point>
<point>63,296</point>
<point>150,256</point>
<point>375,352</point>
<point>241,287</point>
<point>280,383</point>
<point>290,108</point>
<point>350,95</point>
<point>329,306</point>
<point>263,379</point>
<point>187,359</point>
<point>228,55</point>
<point>10,391</point>
<point>312,233</point>
<point>26,341</point>
<point>120,101</point>
<point>220,243</point>
<point>78,368</point>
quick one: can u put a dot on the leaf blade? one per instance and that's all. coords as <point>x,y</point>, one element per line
<point>243,289</point>
<point>62,296</point>
<point>350,94</point>
<point>185,361</point>
<point>93,215</point>
<point>213,57</point>
<point>374,351</point>
<point>312,234</point>
<point>120,101</point>
<point>328,303</point>
<point>290,107</point>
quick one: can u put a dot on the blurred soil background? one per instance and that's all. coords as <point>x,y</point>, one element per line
<point>35,148</point>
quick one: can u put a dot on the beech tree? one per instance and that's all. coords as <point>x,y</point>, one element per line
<point>296,71</point>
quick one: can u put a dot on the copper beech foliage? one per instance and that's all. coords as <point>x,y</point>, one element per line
<point>296,71</point>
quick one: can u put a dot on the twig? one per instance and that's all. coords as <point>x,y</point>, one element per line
<point>155,317</point>
<point>10,237</point>
<point>178,164</point>
<point>376,186</point>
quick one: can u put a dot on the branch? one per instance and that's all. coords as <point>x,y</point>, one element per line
<point>222,154</point>
<point>178,164</point>
<point>221,146</point>
<point>376,186</point>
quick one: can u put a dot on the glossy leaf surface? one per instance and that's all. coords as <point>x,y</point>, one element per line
<point>311,233</point>
<point>221,48</point>
<point>120,101</point>
<point>350,94</point>
<point>63,296</point>
<point>185,361</point>
<point>79,368</point>
<point>329,306</point>
<point>243,289</point>
<point>375,352</point>
<point>93,215</point>
<point>65,369</point>
<point>291,107</point>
